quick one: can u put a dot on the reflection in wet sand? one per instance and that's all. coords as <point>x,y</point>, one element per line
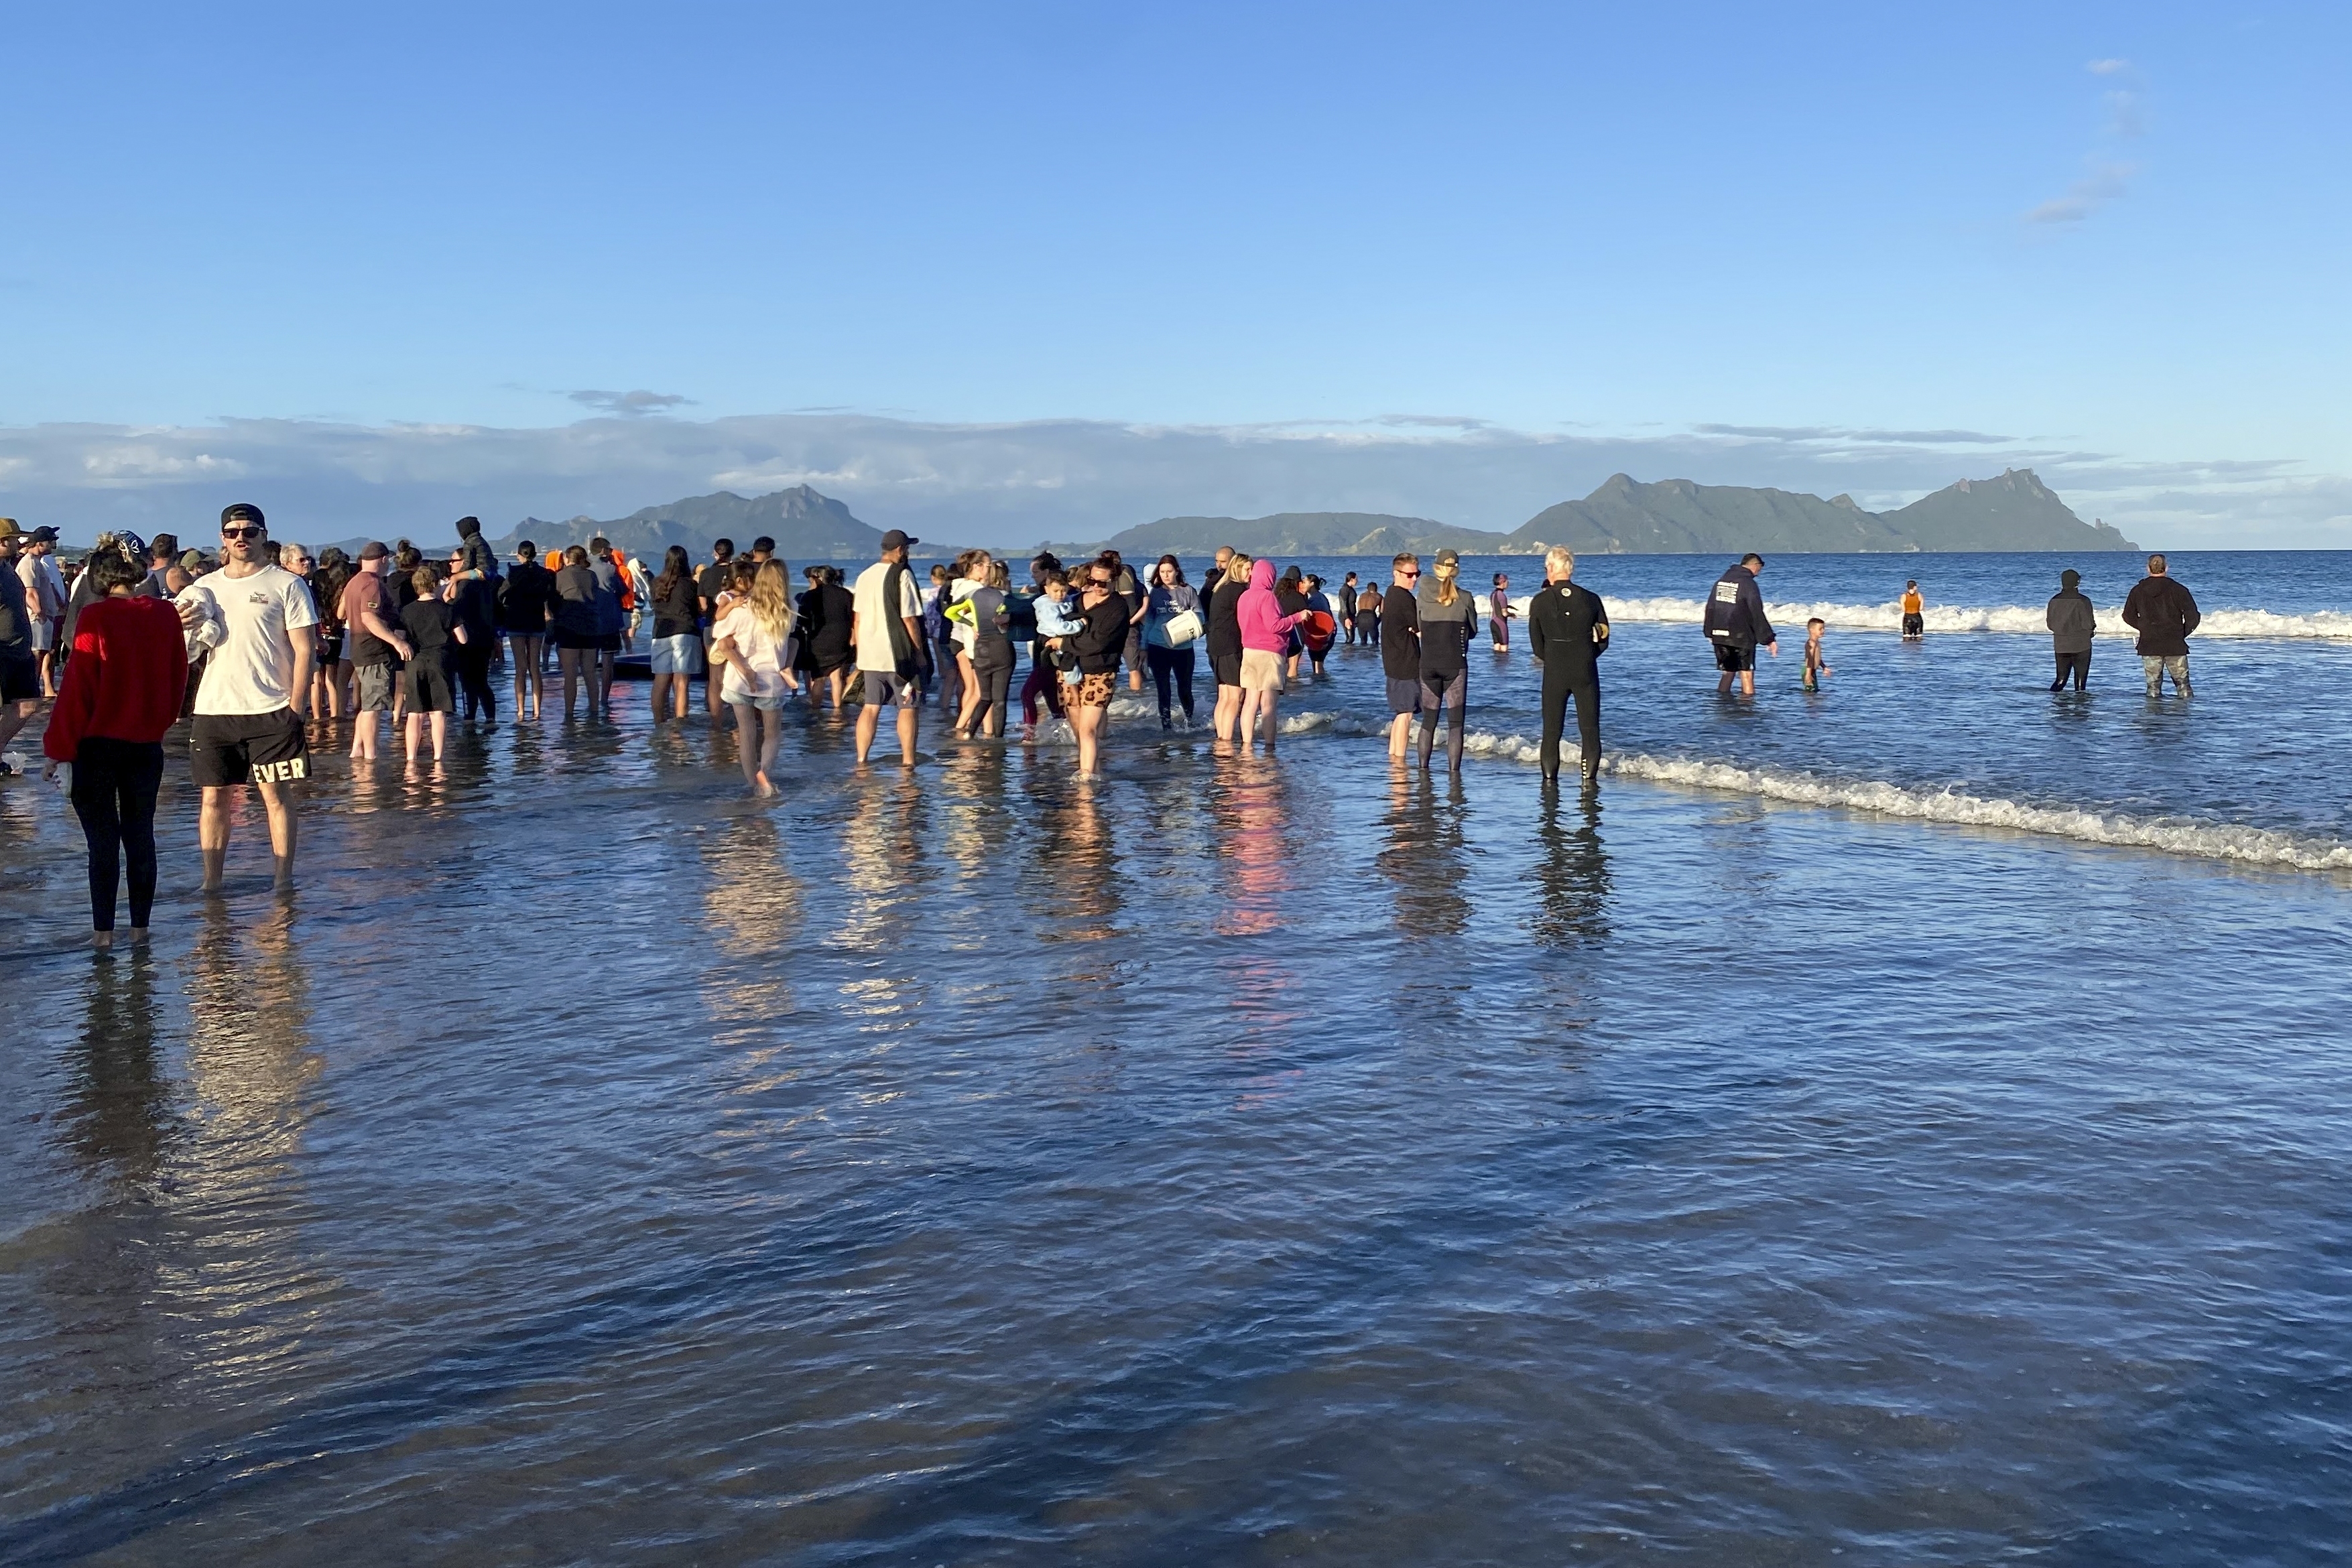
<point>1572,870</point>
<point>1422,857</point>
<point>234,1185</point>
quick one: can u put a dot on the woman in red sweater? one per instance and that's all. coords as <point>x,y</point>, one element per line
<point>121,692</point>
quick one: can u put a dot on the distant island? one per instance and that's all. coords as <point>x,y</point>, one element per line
<point>2015,511</point>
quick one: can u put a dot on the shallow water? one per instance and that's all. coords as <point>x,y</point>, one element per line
<point>1225,1162</point>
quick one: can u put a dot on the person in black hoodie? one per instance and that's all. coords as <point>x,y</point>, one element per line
<point>1568,630</point>
<point>1224,638</point>
<point>1736,624</point>
<point>2165,614</point>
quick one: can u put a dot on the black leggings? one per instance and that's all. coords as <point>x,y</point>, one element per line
<point>1455,690</point>
<point>1176,662</point>
<point>995,687</point>
<point>472,662</point>
<point>1556,693</point>
<point>114,785</point>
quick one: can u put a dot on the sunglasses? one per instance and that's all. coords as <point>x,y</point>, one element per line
<point>240,533</point>
<point>1408,574</point>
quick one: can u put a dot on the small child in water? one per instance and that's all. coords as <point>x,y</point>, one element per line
<point>1815,668</point>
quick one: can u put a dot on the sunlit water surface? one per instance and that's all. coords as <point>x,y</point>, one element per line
<point>1228,1162</point>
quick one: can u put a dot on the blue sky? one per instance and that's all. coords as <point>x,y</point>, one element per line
<point>1865,247</point>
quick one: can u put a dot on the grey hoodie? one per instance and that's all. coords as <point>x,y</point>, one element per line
<point>2071,621</point>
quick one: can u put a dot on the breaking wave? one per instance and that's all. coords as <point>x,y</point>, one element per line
<point>2211,841</point>
<point>2333,624</point>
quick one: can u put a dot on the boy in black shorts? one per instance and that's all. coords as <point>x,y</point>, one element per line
<point>432,625</point>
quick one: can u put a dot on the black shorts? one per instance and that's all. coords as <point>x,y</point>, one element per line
<point>1732,657</point>
<point>573,640</point>
<point>1914,625</point>
<point>20,679</point>
<point>425,684</point>
<point>608,641</point>
<point>243,747</point>
<point>1228,667</point>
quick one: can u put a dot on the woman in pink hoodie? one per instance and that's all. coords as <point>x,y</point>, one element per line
<point>1265,639</point>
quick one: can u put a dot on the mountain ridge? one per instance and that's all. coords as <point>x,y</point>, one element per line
<point>1623,515</point>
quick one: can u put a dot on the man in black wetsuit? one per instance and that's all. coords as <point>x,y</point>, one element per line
<point>1568,629</point>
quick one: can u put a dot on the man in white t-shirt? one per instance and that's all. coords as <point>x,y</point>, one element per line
<point>248,725</point>
<point>45,601</point>
<point>886,628</point>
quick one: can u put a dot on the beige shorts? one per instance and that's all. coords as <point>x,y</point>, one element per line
<point>1261,671</point>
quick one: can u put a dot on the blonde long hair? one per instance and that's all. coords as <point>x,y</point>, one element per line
<point>772,598</point>
<point>1449,589</point>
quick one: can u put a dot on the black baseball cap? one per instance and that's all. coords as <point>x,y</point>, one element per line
<point>43,535</point>
<point>243,512</point>
<point>898,539</point>
<point>373,551</point>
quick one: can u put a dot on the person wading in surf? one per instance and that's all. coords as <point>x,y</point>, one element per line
<point>1736,624</point>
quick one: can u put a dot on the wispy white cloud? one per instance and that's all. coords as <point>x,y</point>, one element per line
<point>2107,176</point>
<point>1822,432</point>
<point>629,405</point>
<point>2104,183</point>
<point>1015,483</point>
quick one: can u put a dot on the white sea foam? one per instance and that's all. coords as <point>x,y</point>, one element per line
<point>2333,624</point>
<point>2213,840</point>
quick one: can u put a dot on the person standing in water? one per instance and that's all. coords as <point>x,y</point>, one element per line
<point>1400,628</point>
<point>1101,642</point>
<point>715,579</point>
<point>1447,614</point>
<point>249,726</point>
<point>1225,639</point>
<point>20,673</point>
<point>1266,630</point>
<point>676,597</point>
<point>121,690</point>
<point>1736,624</point>
<point>1500,613</point>
<point>1567,630</point>
<point>524,594</point>
<point>2165,615</point>
<point>748,645</point>
<point>376,643</point>
<point>1172,603</point>
<point>1915,612</point>
<point>432,624</point>
<point>2073,623</point>
<point>886,638</point>
<point>1816,666</point>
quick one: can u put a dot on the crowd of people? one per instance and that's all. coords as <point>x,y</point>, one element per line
<point>259,646</point>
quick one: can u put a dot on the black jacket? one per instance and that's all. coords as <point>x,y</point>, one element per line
<point>1225,623</point>
<point>1103,638</point>
<point>1399,635</point>
<point>1562,623</point>
<point>2164,613</point>
<point>1735,611</point>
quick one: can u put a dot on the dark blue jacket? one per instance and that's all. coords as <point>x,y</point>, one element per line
<point>1735,611</point>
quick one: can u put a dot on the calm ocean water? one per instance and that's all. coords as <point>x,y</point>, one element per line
<point>1905,1124</point>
